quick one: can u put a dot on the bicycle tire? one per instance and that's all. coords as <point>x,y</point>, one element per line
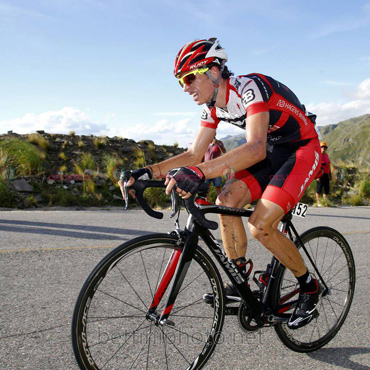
<point>334,260</point>
<point>109,325</point>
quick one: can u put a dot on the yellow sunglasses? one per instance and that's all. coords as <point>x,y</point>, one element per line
<point>190,77</point>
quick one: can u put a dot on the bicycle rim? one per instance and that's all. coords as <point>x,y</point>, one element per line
<point>110,329</point>
<point>334,260</point>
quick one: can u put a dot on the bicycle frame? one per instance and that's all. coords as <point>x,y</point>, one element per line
<point>181,259</point>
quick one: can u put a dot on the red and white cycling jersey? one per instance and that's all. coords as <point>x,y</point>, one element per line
<point>255,93</point>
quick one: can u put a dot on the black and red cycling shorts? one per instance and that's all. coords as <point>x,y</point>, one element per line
<point>284,175</point>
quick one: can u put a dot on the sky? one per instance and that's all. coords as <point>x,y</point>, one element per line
<point>105,67</point>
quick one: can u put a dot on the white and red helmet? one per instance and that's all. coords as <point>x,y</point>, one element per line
<point>199,53</point>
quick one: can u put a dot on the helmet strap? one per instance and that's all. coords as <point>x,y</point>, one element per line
<point>216,85</point>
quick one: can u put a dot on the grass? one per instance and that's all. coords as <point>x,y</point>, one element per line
<point>113,165</point>
<point>39,140</point>
<point>139,158</point>
<point>24,157</point>
<point>100,142</point>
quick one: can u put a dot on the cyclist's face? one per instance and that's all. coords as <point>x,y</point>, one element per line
<point>201,89</point>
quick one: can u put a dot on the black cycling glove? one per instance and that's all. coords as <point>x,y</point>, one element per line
<point>139,174</point>
<point>188,179</point>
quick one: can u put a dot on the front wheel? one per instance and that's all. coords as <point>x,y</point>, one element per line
<point>333,258</point>
<point>109,326</point>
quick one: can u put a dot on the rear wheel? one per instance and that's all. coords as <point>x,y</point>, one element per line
<point>333,258</point>
<point>109,326</point>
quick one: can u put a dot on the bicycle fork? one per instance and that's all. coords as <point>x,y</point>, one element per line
<point>175,270</point>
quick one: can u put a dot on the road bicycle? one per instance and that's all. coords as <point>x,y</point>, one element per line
<point>143,306</point>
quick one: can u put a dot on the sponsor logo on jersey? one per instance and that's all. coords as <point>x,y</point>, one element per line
<point>204,115</point>
<point>283,104</point>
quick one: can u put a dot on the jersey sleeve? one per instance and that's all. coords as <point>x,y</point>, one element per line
<point>209,118</point>
<point>252,99</point>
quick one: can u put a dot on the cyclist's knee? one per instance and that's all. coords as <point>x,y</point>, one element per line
<point>234,194</point>
<point>260,229</point>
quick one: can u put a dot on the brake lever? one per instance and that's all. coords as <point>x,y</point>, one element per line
<point>175,202</point>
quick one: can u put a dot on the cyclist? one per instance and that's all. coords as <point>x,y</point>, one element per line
<point>323,182</point>
<point>279,160</point>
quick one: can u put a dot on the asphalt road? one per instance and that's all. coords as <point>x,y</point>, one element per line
<point>46,255</point>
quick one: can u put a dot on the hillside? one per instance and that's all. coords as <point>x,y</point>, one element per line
<point>348,141</point>
<point>67,170</point>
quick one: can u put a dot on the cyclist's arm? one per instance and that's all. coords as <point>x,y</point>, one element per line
<point>245,155</point>
<point>193,156</point>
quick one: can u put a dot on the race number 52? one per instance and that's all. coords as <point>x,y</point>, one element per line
<point>300,210</point>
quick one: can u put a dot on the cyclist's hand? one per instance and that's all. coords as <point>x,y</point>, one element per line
<point>187,179</point>
<point>139,174</point>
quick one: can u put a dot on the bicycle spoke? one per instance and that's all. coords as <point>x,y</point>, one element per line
<point>192,317</point>
<point>176,347</point>
<point>91,320</point>
<point>191,282</point>
<point>165,348</point>
<point>146,274</point>
<point>119,336</point>
<point>190,304</point>
<point>326,317</point>
<point>121,347</point>
<point>182,332</point>
<point>336,273</point>
<point>136,293</point>
<point>120,300</point>
<point>141,350</point>
<point>147,356</point>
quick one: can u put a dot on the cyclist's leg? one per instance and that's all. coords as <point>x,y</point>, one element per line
<point>263,226</point>
<point>242,188</point>
<point>285,189</point>
<point>234,194</point>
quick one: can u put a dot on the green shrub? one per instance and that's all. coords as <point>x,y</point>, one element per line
<point>61,197</point>
<point>7,197</point>
<point>24,157</point>
<point>364,189</point>
<point>156,198</point>
<point>62,156</point>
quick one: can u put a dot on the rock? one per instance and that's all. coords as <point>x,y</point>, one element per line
<point>22,185</point>
<point>116,197</point>
<point>50,181</point>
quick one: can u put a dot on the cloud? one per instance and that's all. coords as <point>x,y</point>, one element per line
<point>172,114</point>
<point>62,122</point>
<point>164,131</point>
<point>329,113</point>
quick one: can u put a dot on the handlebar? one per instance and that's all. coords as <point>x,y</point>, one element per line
<point>141,185</point>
